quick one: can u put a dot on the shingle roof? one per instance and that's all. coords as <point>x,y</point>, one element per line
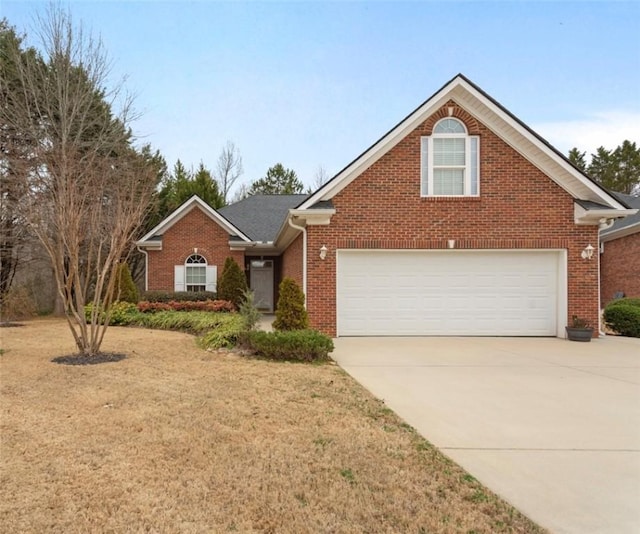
<point>261,216</point>
<point>632,202</point>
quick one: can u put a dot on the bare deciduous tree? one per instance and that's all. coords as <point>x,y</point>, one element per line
<point>87,189</point>
<point>320,178</point>
<point>228,169</point>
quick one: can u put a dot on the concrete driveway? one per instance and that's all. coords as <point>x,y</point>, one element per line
<point>551,425</point>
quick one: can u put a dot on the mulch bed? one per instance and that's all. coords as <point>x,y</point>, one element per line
<point>83,359</point>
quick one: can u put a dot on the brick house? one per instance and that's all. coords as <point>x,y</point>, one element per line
<point>620,255</point>
<point>459,221</point>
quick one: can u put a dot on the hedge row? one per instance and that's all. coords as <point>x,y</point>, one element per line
<point>178,296</point>
<point>186,305</point>
<point>623,316</point>
<point>290,345</point>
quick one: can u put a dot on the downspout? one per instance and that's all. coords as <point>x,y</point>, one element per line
<point>146,267</point>
<point>303,229</point>
<point>604,224</point>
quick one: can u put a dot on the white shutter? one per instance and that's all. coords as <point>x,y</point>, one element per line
<point>424,166</point>
<point>212,273</point>
<point>178,278</point>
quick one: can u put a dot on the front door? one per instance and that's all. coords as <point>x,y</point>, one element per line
<point>261,283</point>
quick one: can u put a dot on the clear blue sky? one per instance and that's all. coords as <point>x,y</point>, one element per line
<point>309,84</point>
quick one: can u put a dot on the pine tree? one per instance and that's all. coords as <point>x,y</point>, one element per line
<point>278,181</point>
<point>290,312</point>
<point>127,290</point>
<point>233,283</point>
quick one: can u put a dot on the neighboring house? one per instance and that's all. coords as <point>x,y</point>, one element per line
<point>459,221</point>
<point>620,255</point>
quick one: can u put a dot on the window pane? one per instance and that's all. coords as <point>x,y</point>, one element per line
<point>449,126</point>
<point>448,181</point>
<point>196,275</point>
<point>448,151</point>
<point>196,258</point>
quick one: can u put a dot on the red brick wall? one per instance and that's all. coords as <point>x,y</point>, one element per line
<point>292,261</point>
<point>620,267</point>
<point>518,207</point>
<point>197,230</point>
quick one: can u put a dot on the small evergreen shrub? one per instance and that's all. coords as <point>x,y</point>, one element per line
<point>122,313</point>
<point>233,283</point>
<point>290,311</point>
<point>225,334</point>
<point>185,305</point>
<point>623,318</point>
<point>628,301</point>
<point>126,288</point>
<point>293,345</point>
<point>248,311</point>
<point>178,296</point>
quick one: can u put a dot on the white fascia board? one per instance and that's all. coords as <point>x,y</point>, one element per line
<point>504,125</point>
<point>173,218</point>
<point>622,232</point>
<point>149,245</point>
<point>583,216</point>
<point>380,148</point>
<point>313,217</point>
<point>544,152</point>
<point>301,217</point>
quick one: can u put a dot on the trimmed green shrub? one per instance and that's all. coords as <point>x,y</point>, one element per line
<point>125,287</point>
<point>178,296</point>
<point>628,301</point>
<point>207,305</point>
<point>623,318</point>
<point>294,345</point>
<point>290,311</point>
<point>233,283</point>
<point>191,322</point>
<point>225,334</point>
<point>122,313</point>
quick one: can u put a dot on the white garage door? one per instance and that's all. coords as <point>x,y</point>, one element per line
<point>453,292</point>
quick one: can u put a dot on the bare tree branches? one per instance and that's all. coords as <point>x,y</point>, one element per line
<point>87,189</point>
<point>228,169</point>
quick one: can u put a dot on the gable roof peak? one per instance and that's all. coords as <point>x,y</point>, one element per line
<point>494,116</point>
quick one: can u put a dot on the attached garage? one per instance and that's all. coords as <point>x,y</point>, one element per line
<point>451,292</point>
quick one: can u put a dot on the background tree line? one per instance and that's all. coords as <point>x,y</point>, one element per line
<point>617,170</point>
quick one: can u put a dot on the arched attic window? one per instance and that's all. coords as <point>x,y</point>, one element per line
<point>450,160</point>
<point>195,275</point>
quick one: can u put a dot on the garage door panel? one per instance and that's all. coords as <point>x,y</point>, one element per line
<point>447,293</point>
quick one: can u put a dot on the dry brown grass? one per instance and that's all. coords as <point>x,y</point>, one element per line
<point>175,439</point>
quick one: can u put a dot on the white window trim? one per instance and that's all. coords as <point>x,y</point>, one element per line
<point>467,164</point>
<point>180,275</point>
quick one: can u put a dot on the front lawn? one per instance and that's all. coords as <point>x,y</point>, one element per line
<point>177,439</point>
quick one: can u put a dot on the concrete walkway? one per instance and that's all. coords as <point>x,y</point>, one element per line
<point>550,425</point>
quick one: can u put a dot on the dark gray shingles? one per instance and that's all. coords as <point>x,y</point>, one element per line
<point>260,217</point>
<point>632,202</point>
